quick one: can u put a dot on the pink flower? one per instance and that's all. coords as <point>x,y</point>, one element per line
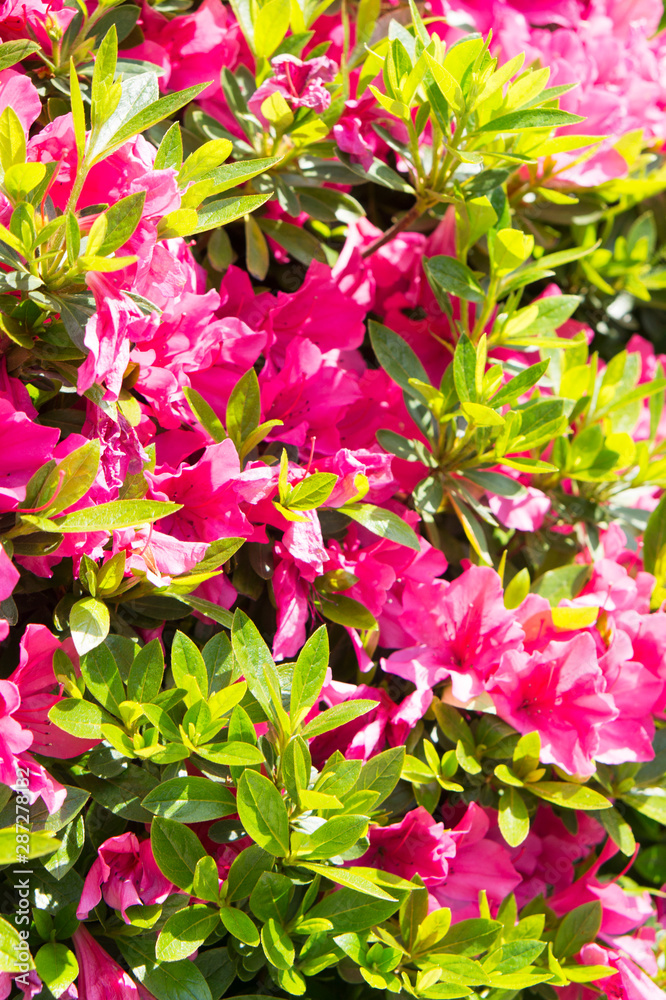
<point>29,984</point>
<point>523,513</point>
<point>14,739</point>
<point>545,860</point>
<point>318,311</point>
<point>368,735</point>
<point>560,693</point>
<point>309,392</point>
<point>18,91</point>
<point>301,84</point>
<point>125,874</point>
<point>463,628</point>
<point>629,982</point>
<point>623,911</point>
<point>100,977</point>
<point>208,493</point>
<point>292,595</point>
<point>417,845</point>
<point>354,133</point>
<point>478,863</point>
<point>9,576</point>
<point>107,337</point>
<point>39,691</point>
<point>25,446</point>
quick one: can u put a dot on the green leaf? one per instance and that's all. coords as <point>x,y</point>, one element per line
<point>311,492</point>
<point>169,981</point>
<point>622,835</point>
<point>309,675</point>
<point>221,213</point>
<point>301,244</point>
<point>187,662</point>
<point>15,51</point>
<point>170,151</point>
<point>464,369</point>
<point>232,753</point>
<point>38,845</point>
<point>147,117</point>
<point>115,515</point>
<point>263,813</point>
<point>246,870</point>
<point>176,850</point>
<point>244,408</point>
<point>146,672</point>
<point>89,623</point>
<point>103,679</point>
<point>520,384</point>
<point>190,800</point>
<point>56,966</point>
<point>204,159</point>
<point>256,663</point>
<point>563,583</point>
<point>121,222</point>
<point>205,414</point>
<point>345,611</point>
<point>469,937</point>
<point>214,611</point>
<point>651,802</point>
<point>339,715</point>
<point>482,416</point>
<point>185,931</point>
<point>334,837</point>
<point>11,947</point>
<point>232,175</point>
<point>79,718</point>
<point>517,121</point>
<point>240,925</point>
<point>578,927</point>
<point>514,820</point>
<point>270,896</point>
<point>447,275</point>
<point>397,358</point>
<point>569,795</point>
<point>381,773</point>
<point>270,26</point>
<point>296,767</point>
<point>654,539</point>
<point>277,945</point>
<point>349,910</point>
<point>651,863</point>
<point>384,523</point>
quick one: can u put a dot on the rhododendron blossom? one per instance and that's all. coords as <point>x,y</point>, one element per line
<point>332,510</point>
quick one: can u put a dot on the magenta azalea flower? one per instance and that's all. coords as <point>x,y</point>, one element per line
<point>300,82</point>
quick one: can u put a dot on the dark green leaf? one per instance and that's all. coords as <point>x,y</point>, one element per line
<point>185,931</point>
<point>190,800</point>
<point>102,678</point>
<point>578,927</point>
<point>447,275</point>
<point>146,672</point>
<point>396,358</point>
<point>263,813</point>
<point>337,716</point>
<point>176,850</point>
<point>384,523</point>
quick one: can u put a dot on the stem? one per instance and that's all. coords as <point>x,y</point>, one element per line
<point>408,218</point>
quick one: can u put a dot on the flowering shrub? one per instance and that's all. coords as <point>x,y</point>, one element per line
<point>332,536</point>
